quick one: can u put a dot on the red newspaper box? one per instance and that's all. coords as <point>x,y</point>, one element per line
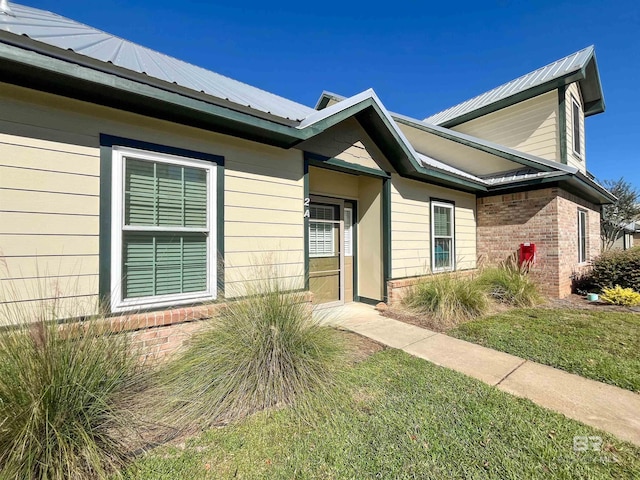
<point>527,254</point>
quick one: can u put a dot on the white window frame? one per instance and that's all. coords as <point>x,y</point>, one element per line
<point>575,121</point>
<point>582,241</point>
<point>452,265</point>
<point>348,232</point>
<point>119,304</point>
<point>333,224</point>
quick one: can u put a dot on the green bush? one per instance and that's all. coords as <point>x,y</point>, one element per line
<point>509,284</point>
<point>64,397</point>
<point>621,296</point>
<point>617,267</point>
<point>449,298</point>
<point>264,350</point>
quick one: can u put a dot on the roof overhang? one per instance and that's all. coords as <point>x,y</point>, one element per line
<point>588,77</point>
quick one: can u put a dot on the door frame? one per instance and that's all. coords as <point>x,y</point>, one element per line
<point>321,199</point>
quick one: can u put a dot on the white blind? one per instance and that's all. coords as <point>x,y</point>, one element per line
<point>348,232</point>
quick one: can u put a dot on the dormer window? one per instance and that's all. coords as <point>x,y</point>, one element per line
<point>576,128</point>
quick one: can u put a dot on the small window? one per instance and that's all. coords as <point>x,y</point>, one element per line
<point>442,236</point>
<point>577,141</point>
<point>348,232</point>
<point>163,235</point>
<point>582,236</point>
<point>321,230</point>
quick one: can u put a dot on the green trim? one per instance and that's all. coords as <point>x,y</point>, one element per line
<point>306,196</point>
<point>440,132</point>
<point>562,123</point>
<point>355,256</point>
<point>34,70</point>
<point>106,179</point>
<point>368,301</point>
<point>453,226</point>
<point>517,98</point>
<point>336,164</point>
<point>220,237</point>
<point>386,235</point>
<point>104,249</point>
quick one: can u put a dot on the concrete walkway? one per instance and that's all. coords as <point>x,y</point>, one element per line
<point>603,406</point>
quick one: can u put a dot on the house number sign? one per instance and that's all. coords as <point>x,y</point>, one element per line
<point>307,201</point>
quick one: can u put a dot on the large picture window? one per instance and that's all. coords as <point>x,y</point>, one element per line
<point>163,229</point>
<point>442,236</point>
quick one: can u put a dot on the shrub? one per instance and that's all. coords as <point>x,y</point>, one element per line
<point>64,396</point>
<point>264,350</point>
<point>620,296</point>
<point>449,298</point>
<point>509,284</point>
<point>617,267</point>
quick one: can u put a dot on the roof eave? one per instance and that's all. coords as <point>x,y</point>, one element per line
<point>31,69</point>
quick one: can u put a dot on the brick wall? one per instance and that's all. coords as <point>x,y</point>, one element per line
<point>547,217</point>
<point>398,288</point>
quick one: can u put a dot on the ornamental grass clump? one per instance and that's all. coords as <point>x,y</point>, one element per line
<point>448,298</point>
<point>65,397</point>
<point>265,350</point>
<point>509,284</point>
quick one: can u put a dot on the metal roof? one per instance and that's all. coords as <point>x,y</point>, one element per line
<point>57,31</point>
<point>547,74</point>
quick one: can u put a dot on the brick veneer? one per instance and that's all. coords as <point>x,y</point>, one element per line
<point>547,217</point>
<point>398,288</point>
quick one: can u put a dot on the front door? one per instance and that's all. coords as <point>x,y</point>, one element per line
<point>326,250</point>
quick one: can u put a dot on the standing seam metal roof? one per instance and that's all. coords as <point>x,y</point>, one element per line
<point>61,32</point>
<point>560,68</point>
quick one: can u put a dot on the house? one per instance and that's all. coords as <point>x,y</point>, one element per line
<point>126,175</point>
<point>628,237</point>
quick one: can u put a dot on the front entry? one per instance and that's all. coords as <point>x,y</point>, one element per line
<point>331,250</point>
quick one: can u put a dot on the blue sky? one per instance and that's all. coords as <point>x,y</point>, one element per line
<point>420,57</point>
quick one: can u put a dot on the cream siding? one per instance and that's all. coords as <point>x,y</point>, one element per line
<point>465,158</point>
<point>50,187</point>
<point>530,126</point>
<point>347,142</point>
<point>573,159</point>
<point>410,226</point>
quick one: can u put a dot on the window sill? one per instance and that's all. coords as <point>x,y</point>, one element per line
<point>161,301</point>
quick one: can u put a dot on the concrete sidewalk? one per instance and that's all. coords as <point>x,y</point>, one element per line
<point>603,406</point>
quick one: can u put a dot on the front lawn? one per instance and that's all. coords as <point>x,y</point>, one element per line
<point>603,346</point>
<point>399,417</point>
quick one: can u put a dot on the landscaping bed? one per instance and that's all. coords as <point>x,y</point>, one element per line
<point>398,417</point>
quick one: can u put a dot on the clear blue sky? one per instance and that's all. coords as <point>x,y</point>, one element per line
<point>420,57</point>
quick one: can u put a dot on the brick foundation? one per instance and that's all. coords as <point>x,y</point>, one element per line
<point>547,217</point>
<point>398,288</point>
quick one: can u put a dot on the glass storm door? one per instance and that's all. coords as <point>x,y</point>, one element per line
<point>326,261</point>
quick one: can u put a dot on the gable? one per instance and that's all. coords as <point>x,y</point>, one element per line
<point>348,142</point>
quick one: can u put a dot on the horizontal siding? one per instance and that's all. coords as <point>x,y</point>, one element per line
<point>347,142</point>
<point>573,92</point>
<point>410,226</point>
<point>50,186</point>
<point>530,126</point>
<point>264,223</point>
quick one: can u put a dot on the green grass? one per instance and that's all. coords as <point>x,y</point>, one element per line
<point>603,346</point>
<point>399,417</point>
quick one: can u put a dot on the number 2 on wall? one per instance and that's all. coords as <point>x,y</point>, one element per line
<point>307,202</point>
